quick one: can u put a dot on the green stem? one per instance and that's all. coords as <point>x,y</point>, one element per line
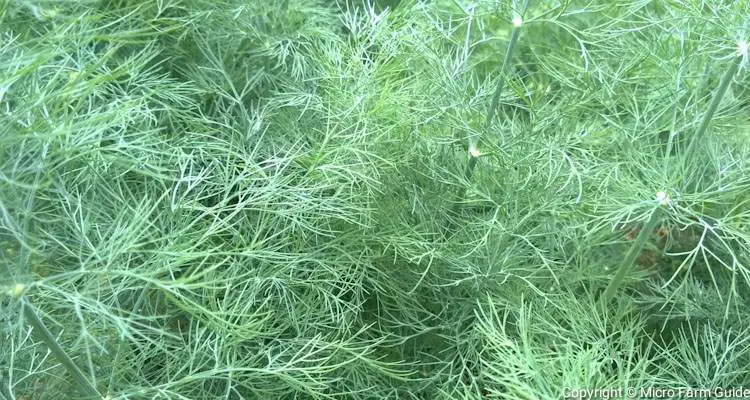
<point>43,334</point>
<point>4,391</point>
<point>715,101</point>
<point>501,83</point>
<point>627,263</point>
<point>491,110</point>
<point>506,64</point>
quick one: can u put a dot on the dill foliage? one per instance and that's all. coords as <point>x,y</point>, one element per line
<point>382,199</point>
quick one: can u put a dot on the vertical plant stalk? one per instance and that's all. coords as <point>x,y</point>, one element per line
<point>40,331</point>
<point>713,106</point>
<point>627,263</point>
<point>4,391</point>
<point>491,110</point>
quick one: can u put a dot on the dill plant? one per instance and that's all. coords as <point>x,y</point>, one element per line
<point>257,200</point>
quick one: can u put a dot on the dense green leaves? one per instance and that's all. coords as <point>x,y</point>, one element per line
<point>304,199</point>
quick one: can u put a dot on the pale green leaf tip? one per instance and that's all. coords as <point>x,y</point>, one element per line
<point>16,291</point>
<point>663,198</point>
